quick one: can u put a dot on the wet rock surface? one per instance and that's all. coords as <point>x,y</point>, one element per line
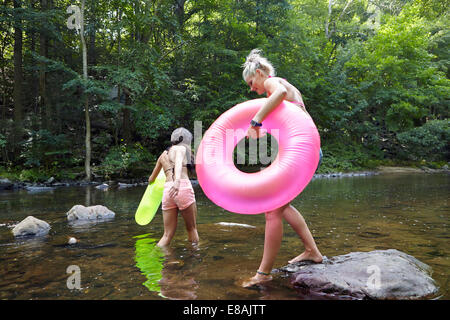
<point>82,213</point>
<point>31,226</point>
<point>379,274</point>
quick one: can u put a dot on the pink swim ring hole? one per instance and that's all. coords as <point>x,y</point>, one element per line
<point>269,189</point>
<point>250,155</point>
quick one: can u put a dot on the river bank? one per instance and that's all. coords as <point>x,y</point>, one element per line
<point>52,183</point>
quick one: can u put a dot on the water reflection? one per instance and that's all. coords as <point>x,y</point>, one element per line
<point>149,259</point>
<point>178,276</point>
<point>165,271</point>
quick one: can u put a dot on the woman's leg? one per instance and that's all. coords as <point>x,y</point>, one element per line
<point>297,222</point>
<point>189,216</point>
<point>272,239</point>
<point>170,218</point>
<point>272,243</point>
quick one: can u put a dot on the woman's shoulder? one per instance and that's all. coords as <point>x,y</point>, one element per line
<point>275,78</point>
<point>271,83</point>
<point>163,154</point>
<point>177,149</point>
<point>276,81</point>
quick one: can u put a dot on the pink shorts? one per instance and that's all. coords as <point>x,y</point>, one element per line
<point>182,200</point>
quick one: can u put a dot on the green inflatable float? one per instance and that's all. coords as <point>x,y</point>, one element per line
<point>151,200</point>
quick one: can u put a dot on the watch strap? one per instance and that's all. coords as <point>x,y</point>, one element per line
<point>253,123</point>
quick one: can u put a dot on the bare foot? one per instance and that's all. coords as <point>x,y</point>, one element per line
<point>257,279</point>
<point>314,256</point>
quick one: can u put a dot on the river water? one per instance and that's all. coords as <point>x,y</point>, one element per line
<point>118,259</point>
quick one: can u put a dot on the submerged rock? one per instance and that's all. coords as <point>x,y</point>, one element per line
<point>35,189</point>
<point>121,185</point>
<point>232,224</point>
<point>379,274</point>
<point>31,226</point>
<point>79,212</point>
<point>102,186</point>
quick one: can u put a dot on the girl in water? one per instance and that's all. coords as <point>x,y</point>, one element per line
<point>178,195</point>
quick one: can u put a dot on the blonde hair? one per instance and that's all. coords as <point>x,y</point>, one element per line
<point>256,61</point>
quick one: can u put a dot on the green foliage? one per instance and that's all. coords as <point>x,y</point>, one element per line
<point>401,116</point>
<point>430,141</point>
<point>154,122</point>
<point>41,175</point>
<point>398,78</point>
<point>46,149</point>
<point>373,82</point>
<point>2,141</point>
<point>32,175</point>
<point>344,158</point>
<point>126,160</point>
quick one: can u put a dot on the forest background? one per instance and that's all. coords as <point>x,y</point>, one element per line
<point>373,74</point>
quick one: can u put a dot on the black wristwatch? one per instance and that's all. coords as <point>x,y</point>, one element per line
<point>253,123</point>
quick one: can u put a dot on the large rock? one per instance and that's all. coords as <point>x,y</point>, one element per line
<point>31,226</point>
<point>380,274</point>
<point>5,184</point>
<point>79,212</point>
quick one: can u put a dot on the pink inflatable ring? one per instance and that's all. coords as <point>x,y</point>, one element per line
<point>269,189</point>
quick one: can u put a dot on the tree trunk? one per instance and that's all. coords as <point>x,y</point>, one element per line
<point>87,163</point>
<point>43,51</point>
<point>126,124</point>
<point>126,132</point>
<point>4,105</point>
<point>18,78</point>
<point>5,95</point>
<point>34,85</point>
<point>327,24</point>
<point>92,56</point>
<point>179,12</point>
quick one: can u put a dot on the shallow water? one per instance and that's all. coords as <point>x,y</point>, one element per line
<point>117,259</point>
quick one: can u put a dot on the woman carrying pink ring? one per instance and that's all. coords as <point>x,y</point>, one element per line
<point>259,74</point>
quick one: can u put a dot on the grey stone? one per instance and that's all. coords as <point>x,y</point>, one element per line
<point>126,185</point>
<point>35,189</point>
<point>5,184</point>
<point>31,226</point>
<point>102,186</point>
<point>79,212</point>
<point>379,274</point>
<point>51,180</point>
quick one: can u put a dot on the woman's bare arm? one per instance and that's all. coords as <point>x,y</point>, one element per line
<point>155,171</point>
<point>278,95</point>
